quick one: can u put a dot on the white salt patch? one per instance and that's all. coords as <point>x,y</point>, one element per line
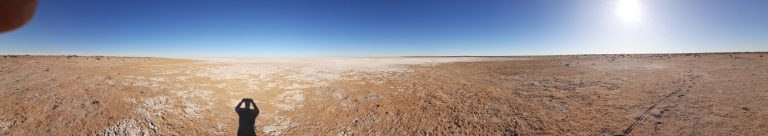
<point>318,70</point>
<point>282,124</point>
<point>221,85</point>
<point>343,99</point>
<point>238,71</point>
<point>5,126</point>
<point>183,78</point>
<point>151,83</point>
<point>295,86</point>
<point>191,109</point>
<point>253,85</point>
<point>157,79</point>
<point>157,103</point>
<point>290,100</point>
<point>126,127</point>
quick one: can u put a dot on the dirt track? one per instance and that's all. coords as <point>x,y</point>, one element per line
<point>709,94</point>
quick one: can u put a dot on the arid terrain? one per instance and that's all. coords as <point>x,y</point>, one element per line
<point>642,94</point>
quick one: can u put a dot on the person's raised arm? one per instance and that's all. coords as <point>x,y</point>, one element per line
<point>238,105</point>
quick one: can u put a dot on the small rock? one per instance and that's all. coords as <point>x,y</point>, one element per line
<point>745,108</point>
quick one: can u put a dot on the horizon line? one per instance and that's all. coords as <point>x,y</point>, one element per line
<point>376,56</point>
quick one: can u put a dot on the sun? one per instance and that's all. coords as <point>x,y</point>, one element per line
<point>629,11</point>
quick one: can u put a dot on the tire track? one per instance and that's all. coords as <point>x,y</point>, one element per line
<point>686,77</point>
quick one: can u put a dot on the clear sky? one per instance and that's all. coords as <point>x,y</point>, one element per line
<point>276,28</point>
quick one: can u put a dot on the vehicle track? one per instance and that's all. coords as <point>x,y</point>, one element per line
<point>686,85</point>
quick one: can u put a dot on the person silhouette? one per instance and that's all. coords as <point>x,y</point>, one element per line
<point>247,117</point>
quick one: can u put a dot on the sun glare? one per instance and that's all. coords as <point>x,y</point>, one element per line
<point>629,11</point>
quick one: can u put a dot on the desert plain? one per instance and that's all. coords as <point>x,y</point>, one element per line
<point>608,94</point>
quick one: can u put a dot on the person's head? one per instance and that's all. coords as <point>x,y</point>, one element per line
<point>15,13</point>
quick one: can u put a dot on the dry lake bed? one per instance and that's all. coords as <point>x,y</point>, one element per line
<point>640,94</point>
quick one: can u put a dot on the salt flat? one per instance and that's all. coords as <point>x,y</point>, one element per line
<point>715,94</point>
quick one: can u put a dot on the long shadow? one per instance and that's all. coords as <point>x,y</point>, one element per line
<point>247,117</point>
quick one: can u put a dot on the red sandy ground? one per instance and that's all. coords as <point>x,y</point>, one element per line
<point>709,94</point>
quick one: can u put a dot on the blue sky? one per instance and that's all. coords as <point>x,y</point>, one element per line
<point>277,28</point>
